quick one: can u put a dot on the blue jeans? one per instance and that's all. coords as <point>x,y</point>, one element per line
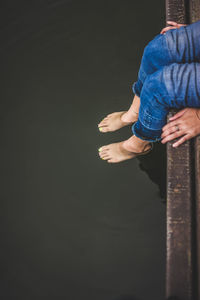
<point>169,77</point>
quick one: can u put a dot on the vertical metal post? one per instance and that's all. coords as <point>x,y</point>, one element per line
<point>183,194</point>
<point>197,185</point>
<point>179,222</point>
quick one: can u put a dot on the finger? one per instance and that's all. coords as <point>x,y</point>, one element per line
<point>163,30</point>
<point>172,136</point>
<point>178,114</point>
<point>170,130</point>
<point>180,25</point>
<point>166,127</point>
<point>171,27</point>
<point>176,24</point>
<point>172,23</point>
<point>170,124</point>
<point>168,28</point>
<point>182,140</point>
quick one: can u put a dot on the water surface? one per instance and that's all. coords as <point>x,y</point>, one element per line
<point>74,227</point>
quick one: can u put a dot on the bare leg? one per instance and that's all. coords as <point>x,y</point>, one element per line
<point>121,151</point>
<point>132,113</point>
<point>117,120</point>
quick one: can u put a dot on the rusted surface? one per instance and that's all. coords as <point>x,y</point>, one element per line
<point>176,11</point>
<point>179,222</point>
<point>197,184</point>
<point>183,194</point>
<point>194,10</point>
<point>194,16</point>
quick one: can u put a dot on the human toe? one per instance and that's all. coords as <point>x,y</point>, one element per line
<point>104,155</point>
<point>103,122</point>
<point>112,160</point>
<point>103,152</point>
<point>102,148</point>
<point>104,129</point>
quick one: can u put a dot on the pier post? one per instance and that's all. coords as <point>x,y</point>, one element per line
<point>183,194</point>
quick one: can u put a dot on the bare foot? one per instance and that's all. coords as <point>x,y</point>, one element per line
<point>125,150</point>
<point>117,120</point>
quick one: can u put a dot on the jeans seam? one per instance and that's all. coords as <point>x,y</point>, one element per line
<point>156,139</point>
<point>168,48</point>
<point>145,112</point>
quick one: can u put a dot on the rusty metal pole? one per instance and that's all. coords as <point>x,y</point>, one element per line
<point>177,10</point>
<point>194,16</point>
<point>179,281</point>
<point>197,182</point>
<point>179,264</point>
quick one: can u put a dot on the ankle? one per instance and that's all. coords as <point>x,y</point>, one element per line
<point>135,144</point>
<point>129,116</point>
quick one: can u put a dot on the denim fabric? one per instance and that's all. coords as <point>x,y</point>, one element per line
<point>169,77</point>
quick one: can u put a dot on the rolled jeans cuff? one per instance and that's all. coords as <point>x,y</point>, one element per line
<point>146,134</point>
<point>137,87</point>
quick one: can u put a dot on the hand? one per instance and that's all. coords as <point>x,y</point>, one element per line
<point>188,122</point>
<point>174,25</point>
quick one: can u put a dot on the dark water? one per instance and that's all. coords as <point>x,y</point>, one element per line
<point>72,226</point>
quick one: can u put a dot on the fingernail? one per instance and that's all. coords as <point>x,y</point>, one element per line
<point>100,128</point>
<point>100,149</point>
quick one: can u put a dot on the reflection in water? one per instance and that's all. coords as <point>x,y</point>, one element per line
<point>73,227</point>
<point>154,164</point>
